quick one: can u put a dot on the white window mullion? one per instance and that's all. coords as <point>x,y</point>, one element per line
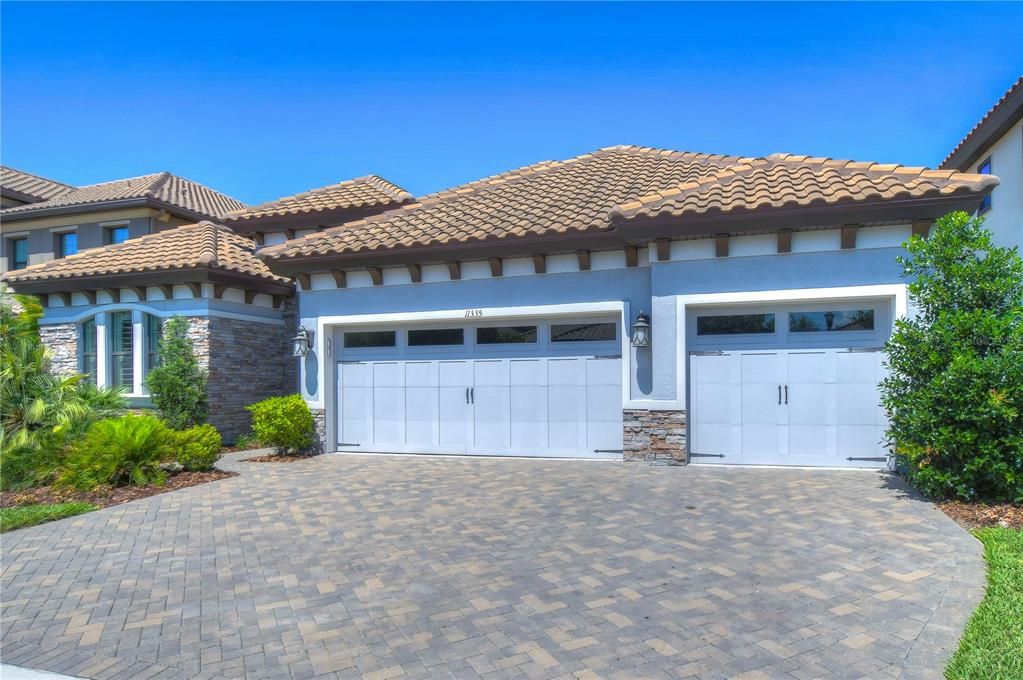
<point>102,349</point>
<point>138,351</point>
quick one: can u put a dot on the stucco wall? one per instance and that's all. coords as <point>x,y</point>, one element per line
<point>1005,218</point>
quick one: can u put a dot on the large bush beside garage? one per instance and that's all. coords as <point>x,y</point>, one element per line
<point>955,388</point>
<point>285,423</point>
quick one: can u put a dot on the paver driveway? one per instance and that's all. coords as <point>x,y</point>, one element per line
<point>438,567</point>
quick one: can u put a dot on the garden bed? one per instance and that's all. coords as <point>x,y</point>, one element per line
<point>279,458</point>
<point>106,496</point>
<point>972,516</point>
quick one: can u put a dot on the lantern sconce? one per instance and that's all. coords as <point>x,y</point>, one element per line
<point>301,342</point>
<point>641,331</point>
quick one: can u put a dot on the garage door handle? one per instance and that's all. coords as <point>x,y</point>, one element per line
<point>779,395</point>
<point>466,395</point>
<point>472,394</point>
<point>786,395</point>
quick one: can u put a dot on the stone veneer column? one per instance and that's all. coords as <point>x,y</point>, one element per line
<point>247,366</point>
<point>61,341</point>
<point>320,424</point>
<point>654,433</point>
<point>199,333</point>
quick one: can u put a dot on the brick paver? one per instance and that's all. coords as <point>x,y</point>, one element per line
<point>416,567</point>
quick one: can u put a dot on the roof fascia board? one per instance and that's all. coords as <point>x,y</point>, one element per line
<point>987,133</point>
<point>305,220</point>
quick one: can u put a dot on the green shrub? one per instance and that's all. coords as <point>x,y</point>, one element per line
<point>197,447</point>
<point>283,422</point>
<point>119,451</point>
<point>177,386</point>
<point>247,441</point>
<point>40,412</point>
<point>954,391</point>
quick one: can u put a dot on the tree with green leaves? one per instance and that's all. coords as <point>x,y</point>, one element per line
<point>177,386</point>
<point>954,392</point>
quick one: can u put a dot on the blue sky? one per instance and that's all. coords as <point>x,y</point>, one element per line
<point>263,100</point>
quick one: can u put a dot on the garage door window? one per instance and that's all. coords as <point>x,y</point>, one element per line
<point>583,332</point>
<point>838,320</point>
<point>506,335</point>
<point>370,339</point>
<point>735,324</point>
<point>434,337</point>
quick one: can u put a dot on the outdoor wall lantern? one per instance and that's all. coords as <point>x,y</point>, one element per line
<point>300,343</point>
<point>641,331</point>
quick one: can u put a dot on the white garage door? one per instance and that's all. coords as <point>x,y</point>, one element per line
<point>792,384</point>
<point>543,398</point>
<point>788,407</point>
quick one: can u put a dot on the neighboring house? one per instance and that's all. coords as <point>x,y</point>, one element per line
<point>995,146</point>
<point>72,219</point>
<point>630,300</point>
<point>105,305</point>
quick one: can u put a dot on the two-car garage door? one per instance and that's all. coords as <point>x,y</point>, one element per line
<point>528,390</point>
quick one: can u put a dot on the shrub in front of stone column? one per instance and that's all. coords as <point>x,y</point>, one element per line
<point>177,386</point>
<point>954,391</point>
<point>286,423</point>
<point>198,447</point>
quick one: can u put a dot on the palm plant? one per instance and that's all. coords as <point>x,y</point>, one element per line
<point>39,411</point>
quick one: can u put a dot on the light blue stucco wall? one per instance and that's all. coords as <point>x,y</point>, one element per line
<point>653,289</point>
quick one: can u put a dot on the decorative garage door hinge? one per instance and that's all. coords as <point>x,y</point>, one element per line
<point>706,455</point>
<point>715,353</point>
<point>878,459</point>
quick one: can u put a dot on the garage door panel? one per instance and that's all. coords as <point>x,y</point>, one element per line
<point>855,441</point>
<point>528,372</point>
<point>605,372</point>
<point>528,417</point>
<point>566,372</point>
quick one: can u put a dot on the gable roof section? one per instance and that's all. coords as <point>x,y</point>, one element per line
<point>543,199</point>
<point>785,181</point>
<point>160,189</point>
<point>29,188</point>
<point>203,246</point>
<point>996,122</point>
<point>594,193</point>
<point>362,192</point>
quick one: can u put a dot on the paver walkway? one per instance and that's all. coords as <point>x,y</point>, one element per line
<point>385,567</point>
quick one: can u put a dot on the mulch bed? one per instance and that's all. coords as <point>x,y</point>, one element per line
<point>978,515</point>
<point>279,458</point>
<point>107,496</point>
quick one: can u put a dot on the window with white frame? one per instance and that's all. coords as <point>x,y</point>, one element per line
<point>119,348</point>
<point>122,344</point>
<point>87,349</point>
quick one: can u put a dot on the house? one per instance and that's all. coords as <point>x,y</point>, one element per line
<point>627,301</point>
<point>105,304</point>
<point>995,146</point>
<point>58,220</point>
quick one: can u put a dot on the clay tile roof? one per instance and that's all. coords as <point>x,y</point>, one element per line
<point>28,187</point>
<point>783,181</point>
<point>1009,108</point>
<point>161,188</point>
<point>361,192</point>
<point>546,198</point>
<point>193,246</point>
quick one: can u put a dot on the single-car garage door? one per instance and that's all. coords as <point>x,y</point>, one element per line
<point>526,390</point>
<point>783,401</point>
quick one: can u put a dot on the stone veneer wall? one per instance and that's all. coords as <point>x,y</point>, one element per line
<point>249,363</point>
<point>320,423</point>
<point>289,311</point>
<point>61,340</point>
<point>653,434</point>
